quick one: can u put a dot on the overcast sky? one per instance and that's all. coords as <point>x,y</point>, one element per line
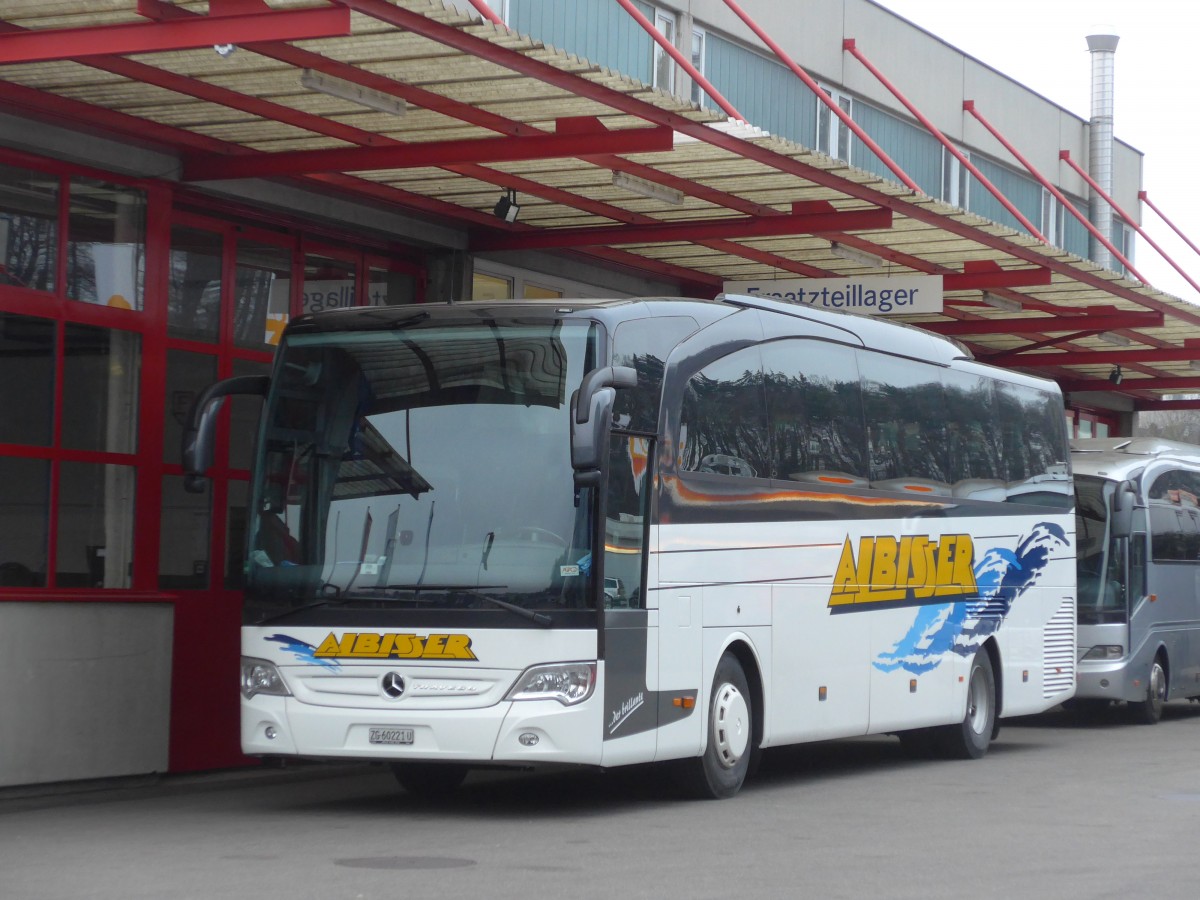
<point>1042,44</point>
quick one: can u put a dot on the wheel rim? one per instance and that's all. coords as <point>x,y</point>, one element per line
<point>1158,684</point>
<point>731,725</point>
<point>979,702</point>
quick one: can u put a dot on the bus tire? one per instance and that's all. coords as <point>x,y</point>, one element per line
<point>970,738</point>
<point>1149,710</point>
<point>721,770</point>
<point>426,779</point>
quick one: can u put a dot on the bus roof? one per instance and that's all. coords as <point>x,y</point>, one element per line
<point>1119,458</point>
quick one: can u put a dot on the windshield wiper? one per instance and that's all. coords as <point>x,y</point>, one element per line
<point>472,590</point>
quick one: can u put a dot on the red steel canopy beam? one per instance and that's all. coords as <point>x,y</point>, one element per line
<point>661,39</point>
<point>693,230</point>
<point>1049,324</point>
<point>1145,198</point>
<point>969,106</point>
<point>47,44</point>
<point>1065,156</point>
<point>823,97</point>
<point>850,46</point>
<point>986,276</point>
<point>1090,358</point>
<point>632,104</point>
<point>1131,384</point>
<point>567,141</point>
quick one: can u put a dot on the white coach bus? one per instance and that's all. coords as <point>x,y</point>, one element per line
<point>608,532</point>
<point>1138,523</point>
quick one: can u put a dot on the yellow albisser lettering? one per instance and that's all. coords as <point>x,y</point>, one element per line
<point>884,573</point>
<point>845,579</point>
<point>408,646</point>
<point>964,564</point>
<point>385,646</point>
<point>366,645</point>
<point>866,558</point>
<point>329,646</point>
<point>458,646</point>
<point>434,646</point>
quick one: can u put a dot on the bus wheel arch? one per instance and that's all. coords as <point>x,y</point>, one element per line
<point>753,672</point>
<point>993,651</point>
<point>1158,680</point>
<point>731,742</point>
<point>971,737</point>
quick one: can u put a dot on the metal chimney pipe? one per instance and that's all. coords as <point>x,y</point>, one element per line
<point>1103,48</point>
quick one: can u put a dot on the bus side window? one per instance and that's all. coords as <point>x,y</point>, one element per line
<point>814,405</point>
<point>723,426</point>
<point>905,408</point>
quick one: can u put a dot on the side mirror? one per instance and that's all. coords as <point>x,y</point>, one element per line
<point>200,431</point>
<point>1122,510</point>
<point>591,418</point>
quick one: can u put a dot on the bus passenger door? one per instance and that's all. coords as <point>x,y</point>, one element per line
<point>630,646</point>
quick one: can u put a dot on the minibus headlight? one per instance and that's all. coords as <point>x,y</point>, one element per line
<point>261,677</point>
<point>568,683</point>
<point>1105,651</point>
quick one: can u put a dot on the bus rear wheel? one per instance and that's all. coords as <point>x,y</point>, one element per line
<point>720,772</point>
<point>426,779</point>
<point>1149,710</point>
<point>970,738</point>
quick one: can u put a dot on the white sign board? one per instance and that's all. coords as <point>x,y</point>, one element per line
<point>901,295</point>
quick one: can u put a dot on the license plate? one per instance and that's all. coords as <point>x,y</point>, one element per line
<point>390,735</point>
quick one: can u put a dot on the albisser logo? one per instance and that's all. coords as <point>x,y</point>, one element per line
<point>907,571</point>
<point>369,645</point>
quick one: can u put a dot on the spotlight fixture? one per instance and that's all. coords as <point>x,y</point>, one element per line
<point>506,207</point>
<point>646,188</point>
<point>355,93</point>
<point>1115,375</point>
<point>224,50</point>
<point>1007,304</point>
<point>862,257</point>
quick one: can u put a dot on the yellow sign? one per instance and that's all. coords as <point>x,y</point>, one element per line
<point>368,645</point>
<point>906,571</point>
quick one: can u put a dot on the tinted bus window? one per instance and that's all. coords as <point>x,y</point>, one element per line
<point>973,451</point>
<point>814,404</point>
<point>1032,429</point>
<point>723,420</point>
<point>905,412</point>
<point>644,344</point>
<point>1177,486</point>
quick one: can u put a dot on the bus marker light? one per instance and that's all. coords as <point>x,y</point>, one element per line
<point>912,685</point>
<point>684,702</point>
<point>1153,598</point>
<point>1025,674</point>
<point>822,693</point>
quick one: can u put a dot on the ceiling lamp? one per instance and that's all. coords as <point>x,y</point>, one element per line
<point>862,257</point>
<point>506,207</point>
<point>1115,375</point>
<point>355,93</point>
<point>646,188</point>
<point>1111,337</point>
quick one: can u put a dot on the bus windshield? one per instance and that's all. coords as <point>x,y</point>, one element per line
<point>422,467</point>
<point>1101,559</point>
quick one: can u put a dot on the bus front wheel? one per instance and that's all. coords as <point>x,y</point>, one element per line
<point>719,773</point>
<point>1149,710</point>
<point>970,738</point>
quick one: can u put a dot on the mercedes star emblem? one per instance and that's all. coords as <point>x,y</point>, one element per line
<point>393,685</point>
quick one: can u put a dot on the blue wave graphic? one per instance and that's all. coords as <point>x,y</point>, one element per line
<point>302,651</point>
<point>1002,576</point>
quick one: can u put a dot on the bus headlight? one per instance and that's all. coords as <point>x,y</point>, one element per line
<point>568,683</point>
<point>261,677</point>
<point>1105,651</point>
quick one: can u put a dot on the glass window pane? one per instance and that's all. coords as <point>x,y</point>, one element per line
<point>814,401</point>
<point>905,410</point>
<point>106,244</point>
<point>101,368</point>
<point>28,228</point>
<point>388,288</point>
<point>95,525</point>
<point>624,518</point>
<point>723,420</point>
<point>24,517</point>
<point>184,529</point>
<point>26,362</point>
<point>235,535</point>
<point>972,444</point>
<point>187,375</point>
<point>537,292</point>
<point>194,294</point>
<point>328,283</point>
<point>264,280</point>
<point>243,417</point>
<point>490,287</point>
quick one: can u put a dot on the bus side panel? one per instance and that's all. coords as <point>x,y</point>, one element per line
<point>906,694</point>
<point>820,670</point>
<point>680,663</point>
